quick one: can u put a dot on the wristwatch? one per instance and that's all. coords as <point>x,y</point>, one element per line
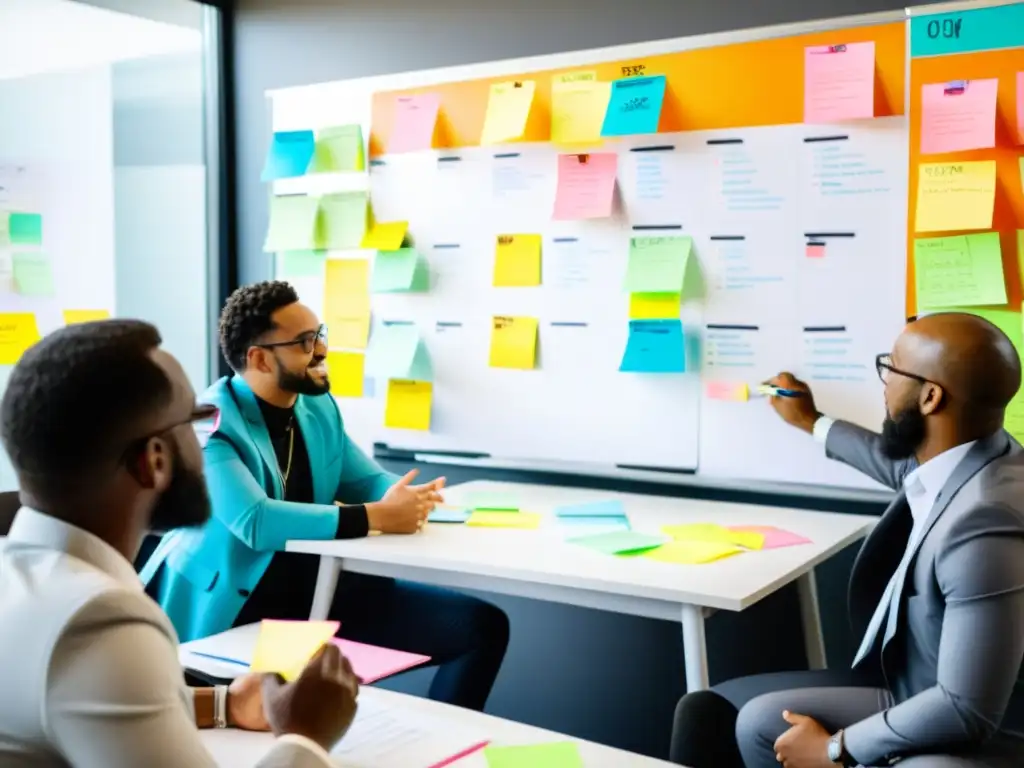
<point>837,751</point>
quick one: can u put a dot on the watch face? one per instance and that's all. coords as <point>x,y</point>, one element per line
<point>835,749</point>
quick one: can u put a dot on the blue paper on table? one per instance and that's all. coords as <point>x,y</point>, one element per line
<point>289,155</point>
<point>449,515</point>
<point>654,346</point>
<point>634,106</point>
<point>611,508</point>
<point>597,523</point>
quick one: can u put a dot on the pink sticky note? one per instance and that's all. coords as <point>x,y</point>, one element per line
<point>373,663</point>
<point>586,186</point>
<point>773,537</point>
<point>839,82</point>
<point>415,118</point>
<point>1020,107</point>
<point>959,115</point>
<point>726,390</point>
<point>815,250</point>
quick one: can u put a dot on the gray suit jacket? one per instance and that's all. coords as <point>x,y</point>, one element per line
<point>952,647</point>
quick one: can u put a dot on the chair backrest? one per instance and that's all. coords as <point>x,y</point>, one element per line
<point>9,506</point>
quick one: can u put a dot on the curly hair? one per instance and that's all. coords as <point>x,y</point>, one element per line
<point>247,317</point>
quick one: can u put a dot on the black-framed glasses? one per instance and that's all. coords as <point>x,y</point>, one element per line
<point>884,366</point>
<point>204,419</point>
<point>307,341</point>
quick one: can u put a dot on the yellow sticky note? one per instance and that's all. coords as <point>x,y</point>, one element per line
<point>955,196</point>
<point>408,404</point>
<point>578,104</point>
<point>710,532</point>
<point>18,332</point>
<point>654,306</point>
<point>523,520</point>
<point>345,370</point>
<point>508,109</point>
<point>285,646</point>
<point>347,302</point>
<point>514,342</point>
<point>517,261</point>
<point>386,235</point>
<point>692,552</point>
<point>72,316</point>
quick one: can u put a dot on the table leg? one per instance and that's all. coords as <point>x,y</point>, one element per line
<point>810,617</point>
<point>326,583</point>
<point>695,650</point>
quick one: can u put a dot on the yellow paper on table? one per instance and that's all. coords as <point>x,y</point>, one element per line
<point>514,342</point>
<point>517,261</point>
<point>386,235</point>
<point>955,196</point>
<point>508,109</point>
<point>73,316</point>
<point>523,520</point>
<point>285,646</point>
<point>692,552</point>
<point>654,306</point>
<point>345,370</point>
<point>18,332</point>
<point>712,532</point>
<point>959,270</point>
<point>347,302</point>
<point>408,404</point>
<point>578,104</point>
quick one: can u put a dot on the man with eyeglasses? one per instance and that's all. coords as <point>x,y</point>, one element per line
<point>936,595</point>
<point>280,466</point>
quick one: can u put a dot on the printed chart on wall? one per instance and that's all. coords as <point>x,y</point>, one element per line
<point>599,262</point>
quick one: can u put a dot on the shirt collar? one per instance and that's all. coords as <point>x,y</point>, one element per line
<point>931,476</point>
<point>42,530</point>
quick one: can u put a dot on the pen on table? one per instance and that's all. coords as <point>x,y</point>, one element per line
<point>770,391</point>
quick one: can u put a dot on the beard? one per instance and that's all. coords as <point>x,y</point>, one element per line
<point>301,383</point>
<point>903,434</point>
<point>185,503</point>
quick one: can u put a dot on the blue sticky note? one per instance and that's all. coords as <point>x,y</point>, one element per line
<point>397,352</point>
<point>967,31</point>
<point>289,155</point>
<point>597,523</point>
<point>654,346</point>
<point>611,508</point>
<point>440,515</point>
<point>634,106</point>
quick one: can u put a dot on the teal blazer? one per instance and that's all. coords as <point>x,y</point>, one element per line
<point>203,576</point>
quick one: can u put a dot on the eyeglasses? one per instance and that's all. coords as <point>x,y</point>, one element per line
<point>205,419</point>
<point>307,341</point>
<point>884,366</point>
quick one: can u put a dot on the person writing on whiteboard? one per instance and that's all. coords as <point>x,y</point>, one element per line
<point>936,594</point>
<point>280,466</point>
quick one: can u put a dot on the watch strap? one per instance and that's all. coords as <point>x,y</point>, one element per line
<point>220,706</point>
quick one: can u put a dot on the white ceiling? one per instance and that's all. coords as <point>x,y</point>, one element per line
<point>39,36</point>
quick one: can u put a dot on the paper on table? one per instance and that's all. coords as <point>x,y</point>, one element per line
<point>727,390</point>
<point>302,263</point>
<point>714,533</point>
<point>774,538</point>
<point>517,261</point>
<point>586,186</point>
<point>619,542</point>
<point>839,82</point>
<point>955,196</point>
<point>18,332</point>
<point>505,519</point>
<point>654,346</point>
<point>285,646</point>
<point>654,306</point>
<point>494,502</point>
<point>345,370</point>
<point>399,271</point>
<point>448,515</point>
<point>347,302</point>
<point>508,109</point>
<point>634,106</point>
<point>293,223</point>
<point>958,116</point>
<point>72,316</point>
<point>657,264</point>
<point>514,342</point>
<point>961,270</point>
<point>578,106</point>
<point>557,754</point>
<point>25,228</point>
<point>343,219</point>
<point>398,352</point>
<point>339,148</point>
<point>33,275</point>
<point>372,663</point>
<point>611,508</point>
<point>415,120</point>
<point>692,552</point>
<point>408,405</point>
<point>386,235</point>
<point>289,155</point>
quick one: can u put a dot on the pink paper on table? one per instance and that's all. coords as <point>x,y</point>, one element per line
<point>1020,107</point>
<point>959,115</point>
<point>727,390</point>
<point>839,82</point>
<point>586,186</point>
<point>773,537</point>
<point>815,251</point>
<point>374,663</point>
<point>415,119</point>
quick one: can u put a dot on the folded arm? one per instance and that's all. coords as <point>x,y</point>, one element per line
<point>861,449</point>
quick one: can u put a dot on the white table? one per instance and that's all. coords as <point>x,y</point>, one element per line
<point>539,564</point>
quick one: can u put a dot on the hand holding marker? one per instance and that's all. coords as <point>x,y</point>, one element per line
<point>770,391</point>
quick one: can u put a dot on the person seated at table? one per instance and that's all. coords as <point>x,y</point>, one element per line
<point>936,594</point>
<point>97,421</point>
<point>280,466</point>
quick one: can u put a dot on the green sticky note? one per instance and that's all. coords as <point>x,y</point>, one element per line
<point>620,542</point>
<point>557,754</point>
<point>963,270</point>
<point>25,228</point>
<point>657,264</point>
<point>293,223</point>
<point>343,220</point>
<point>339,149</point>
<point>494,502</point>
<point>302,263</point>
<point>33,275</point>
<point>397,271</point>
<point>397,352</point>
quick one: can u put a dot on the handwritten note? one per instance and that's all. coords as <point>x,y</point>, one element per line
<point>343,220</point>
<point>508,109</point>
<point>25,228</point>
<point>959,271</point>
<point>955,196</point>
<point>18,332</point>
<point>578,106</point>
<point>415,120</point>
<point>657,264</point>
<point>293,223</point>
<point>33,274</point>
<point>692,552</point>
<point>634,106</point>
<point>400,271</point>
<point>286,646</point>
<point>398,352</point>
<point>73,316</point>
<point>485,519</point>
<point>338,149</point>
<point>345,371</point>
<point>839,82</point>
<point>654,346</point>
<point>408,405</point>
<point>727,390</point>
<point>958,116</point>
<point>385,235</point>
<point>654,306</point>
<point>513,342</point>
<point>586,186</point>
<point>289,155</point>
<point>559,754</point>
<point>347,302</point>
<point>302,264</point>
<point>619,542</point>
<point>517,261</point>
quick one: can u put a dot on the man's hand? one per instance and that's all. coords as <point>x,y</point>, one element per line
<point>800,412</point>
<point>245,704</point>
<point>405,507</point>
<point>805,744</point>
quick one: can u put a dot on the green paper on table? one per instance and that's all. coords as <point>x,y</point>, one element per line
<point>504,519</point>
<point>292,223</point>
<point>286,646</point>
<point>619,542</point>
<point>494,502</point>
<point>657,264</point>
<point>558,754</point>
<point>339,149</point>
<point>303,263</point>
<point>715,533</point>
<point>692,552</point>
<point>25,228</point>
<point>33,275</point>
<point>399,271</point>
<point>962,270</point>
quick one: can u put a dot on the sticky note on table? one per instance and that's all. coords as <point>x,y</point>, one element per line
<point>343,220</point>
<point>558,754</point>
<point>654,306</point>
<point>494,502</point>
<point>448,515</point>
<point>293,223</point>
<point>415,118</point>
<point>958,116</point>
<point>18,332</point>
<point>714,533</point>
<point>408,405</point>
<point>302,264</point>
<point>654,346</point>
<point>400,271</point>
<point>610,508</point>
<point>517,261</point>
<point>578,106</point>
<point>774,538</point>
<point>25,228</point>
<point>839,82</point>
<point>339,148</point>
<point>73,316</point>
<point>513,342</point>
<point>955,196</point>
<point>386,235</point>
<point>346,372</point>
<point>634,106</point>
<point>347,302</point>
<point>289,155</point>
<point>964,270</point>
<point>657,264</point>
<point>372,662</point>
<point>488,519</point>
<point>33,274</point>
<point>692,552</point>
<point>508,109</point>
<point>398,352</point>
<point>286,646</point>
<point>727,390</point>
<point>586,186</point>
<point>619,542</point>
